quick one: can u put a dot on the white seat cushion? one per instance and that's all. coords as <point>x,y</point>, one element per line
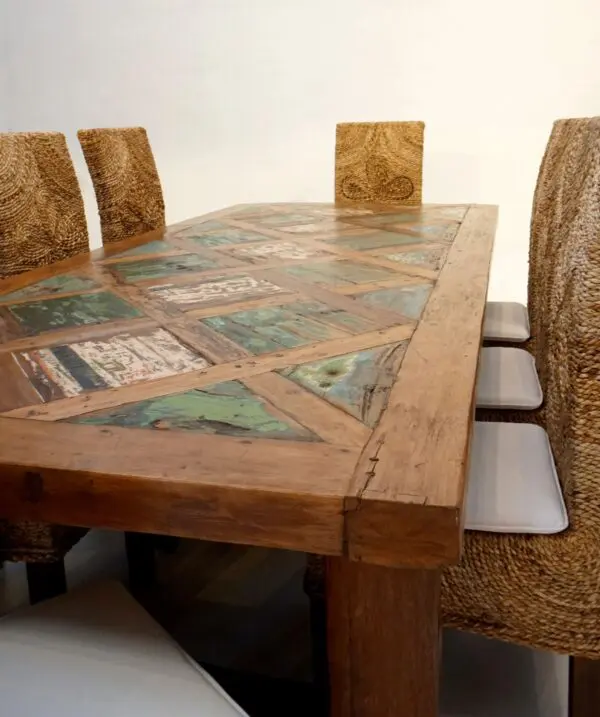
<point>507,378</point>
<point>96,652</point>
<point>513,486</point>
<point>506,321</point>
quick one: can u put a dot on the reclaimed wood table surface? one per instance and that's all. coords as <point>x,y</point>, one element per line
<point>290,375</point>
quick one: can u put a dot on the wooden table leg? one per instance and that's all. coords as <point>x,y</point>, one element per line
<point>383,640</point>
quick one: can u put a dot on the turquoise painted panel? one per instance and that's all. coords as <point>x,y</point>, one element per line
<point>379,220</point>
<point>153,247</point>
<point>227,408</point>
<point>54,285</point>
<point>283,219</point>
<point>357,382</point>
<point>265,330</point>
<point>145,269</point>
<point>338,273</point>
<point>433,230</point>
<point>225,236</point>
<point>407,300</point>
<point>374,241</point>
<point>429,258</point>
<point>65,312</point>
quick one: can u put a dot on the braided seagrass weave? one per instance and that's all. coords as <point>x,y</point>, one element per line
<point>379,162</point>
<point>543,590</point>
<point>125,180</point>
<point>42,219</point>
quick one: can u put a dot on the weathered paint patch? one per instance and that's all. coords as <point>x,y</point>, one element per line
<point>146,269</point>
<point>270,329</point>
<point>227,408</point>
<point>277,220</point>
<point>338,273</point>
<point>373,241</point>
<point>53,285</point>
<point>224,237</point>
<point>64,312</point>
<point>68,370</point>
<point>357,382</point>
<point>407,300</point>
<point>153,247</point>
<point>457,212</point>
<point>221,290</point>
<point>283,250</point>
<point>428,258</point>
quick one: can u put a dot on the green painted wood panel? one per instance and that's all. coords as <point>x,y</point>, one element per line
<point>54,285</point>
<point>338,273</point>
<point>152,247</point>
<point>270,329</point>
<point>64,312</point>
<point>377,240</point>
<point>225,236</point>
<point>407,300</point>
<point>227,408</point>
<point>356,382</point>
<point>146,269</point>
<point>428,258</point>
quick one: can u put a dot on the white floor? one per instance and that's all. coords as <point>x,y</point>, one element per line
<point>480,678</point>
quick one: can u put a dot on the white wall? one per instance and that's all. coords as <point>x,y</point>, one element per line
<point>3,68</point>
<point>240,97</point>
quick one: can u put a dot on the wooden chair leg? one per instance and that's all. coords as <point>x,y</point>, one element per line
<point>584,687</point>
<point>46,580</point>
<point>141,561</point>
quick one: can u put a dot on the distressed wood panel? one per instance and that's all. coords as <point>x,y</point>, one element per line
<point>219,291</point>
<point>376,240</point>
<point>223,237</point>
<point>338,273</point>
<point>358,382</point>
<point>406,300</point>
<point>70,369</point>
<point>431,258</point>
<point>268,329</point>
<point>147,269</point>
<point>62,284</point>
<point>282,250</point>
<point>158,246</point>
<point>228,409</point>
<point>63,312</point>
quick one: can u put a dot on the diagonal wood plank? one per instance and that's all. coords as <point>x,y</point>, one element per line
<point>332,424</point>
<point>239,369</point>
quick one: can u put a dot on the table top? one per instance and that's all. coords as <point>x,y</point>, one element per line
<point>291,375</point>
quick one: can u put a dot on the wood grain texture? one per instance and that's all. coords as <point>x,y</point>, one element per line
<point>216,488</point>
<point>383,637</point>
<point>415,463</point>
<point>310,335</point>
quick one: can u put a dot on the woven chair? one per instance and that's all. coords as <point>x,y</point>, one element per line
<point>125,179</point>
<point>379,162</point>
<point>42,221</point>
<point>41,211</point>
<point>542,591</point>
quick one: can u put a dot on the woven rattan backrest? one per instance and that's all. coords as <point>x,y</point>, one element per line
<point>125,180</point>
<point>567,320</point>
<point>42,219</point>
<point>379,162</point>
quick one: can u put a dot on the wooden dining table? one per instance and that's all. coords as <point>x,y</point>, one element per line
<point>296,376</point>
